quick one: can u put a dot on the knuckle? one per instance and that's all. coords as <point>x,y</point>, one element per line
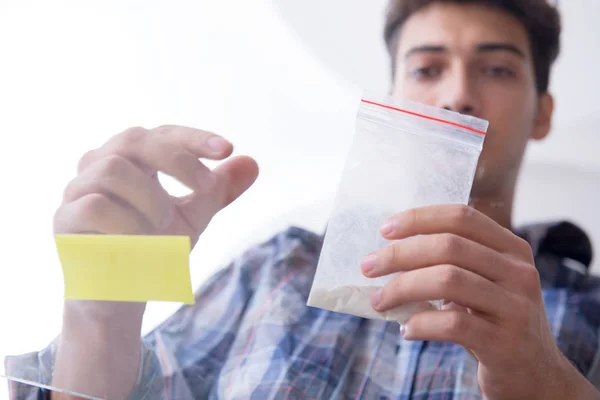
<point>397,286</point>
<point>83,216</point>
<point>448,244</point>
<point>461,213</point>
<point>85,160</point>
<point>410,218</point>
<point>57,221</point>
<point>163,129</point>
<point>132,136</point>
<point>72,191</point>
<point>391,255</point>
<point>524,248</point>
<point>114,165</point>
<point>95,204</point>
<point>455,323</point>
<point>450,276</point>
<point>530,278</point>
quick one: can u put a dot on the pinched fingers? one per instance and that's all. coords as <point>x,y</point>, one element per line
<point>173,150</point>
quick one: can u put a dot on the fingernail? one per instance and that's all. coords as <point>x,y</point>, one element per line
<point>368,263</point>
<point>217,144</point>
<point>387,228</point>
<point>403,330</point>
<point>376,298</point>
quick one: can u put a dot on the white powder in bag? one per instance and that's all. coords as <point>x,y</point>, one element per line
<point>356,300</point>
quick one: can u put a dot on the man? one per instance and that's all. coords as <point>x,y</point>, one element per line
<point>518,324</point>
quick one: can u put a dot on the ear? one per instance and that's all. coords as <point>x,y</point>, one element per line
<point>543,118</point>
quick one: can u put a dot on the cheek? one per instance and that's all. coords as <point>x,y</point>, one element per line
<point>511,115</point>
<point>510,128</point>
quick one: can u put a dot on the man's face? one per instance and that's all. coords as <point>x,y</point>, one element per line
<point>476,60</point>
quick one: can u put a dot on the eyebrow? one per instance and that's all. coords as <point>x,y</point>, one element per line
<point>491,47</point>
<point>481,48</point>
<point>425,49</point>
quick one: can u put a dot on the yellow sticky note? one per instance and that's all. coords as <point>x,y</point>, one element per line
<point>126,267</point>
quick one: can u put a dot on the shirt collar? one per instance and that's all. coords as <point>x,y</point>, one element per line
<point>562,250</point>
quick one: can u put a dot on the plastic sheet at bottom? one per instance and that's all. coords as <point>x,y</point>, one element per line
<point>86,347</point>
<point>88,357</point>
<point>13,388</point>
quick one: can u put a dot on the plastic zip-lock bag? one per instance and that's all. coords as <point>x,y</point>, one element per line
<point>404,155</point>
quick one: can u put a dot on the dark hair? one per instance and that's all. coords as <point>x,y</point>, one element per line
<point>541,20</point>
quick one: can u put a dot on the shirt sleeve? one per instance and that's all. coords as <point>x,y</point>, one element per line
<point>193,345</point>
<point>591,311</point>
<point>183,356</point>
<point>30,375</point>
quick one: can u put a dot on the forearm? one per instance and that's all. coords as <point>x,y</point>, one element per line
<point>584,390</point>
<point>98,354</point>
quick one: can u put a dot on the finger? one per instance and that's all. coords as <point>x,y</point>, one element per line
<point>153,152</point>
<point>458,327</point>
<point>97,213</point>
<point>447,282</point>
<point>457,219</point>
<point>117,177</point>
<point>234,177</point>
<point>93,156</point>
<point>201,143</point>
<point>427,250</point>
<point>88,158</point>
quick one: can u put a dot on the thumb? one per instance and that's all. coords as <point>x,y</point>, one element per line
<point>233,178</point>
<point>448,305</point>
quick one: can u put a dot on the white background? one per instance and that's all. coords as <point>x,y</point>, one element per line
<point>282,83</point>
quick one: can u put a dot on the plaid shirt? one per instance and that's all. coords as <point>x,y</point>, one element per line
<point>251,335</point>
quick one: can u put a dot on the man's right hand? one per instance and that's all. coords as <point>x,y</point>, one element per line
<point>117,191</point>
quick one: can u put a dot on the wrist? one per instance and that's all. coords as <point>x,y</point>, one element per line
<point>99,348</point>
<point>102,319</point>
<point>569,383</point>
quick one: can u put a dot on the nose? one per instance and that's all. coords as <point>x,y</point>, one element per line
<point>459,95</point>
<point>463,109</point>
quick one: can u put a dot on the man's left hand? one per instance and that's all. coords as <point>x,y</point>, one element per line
<point>458,254</point>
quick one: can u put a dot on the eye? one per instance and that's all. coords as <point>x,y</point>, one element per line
<point>426,72</point>
<point>498,72</point>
